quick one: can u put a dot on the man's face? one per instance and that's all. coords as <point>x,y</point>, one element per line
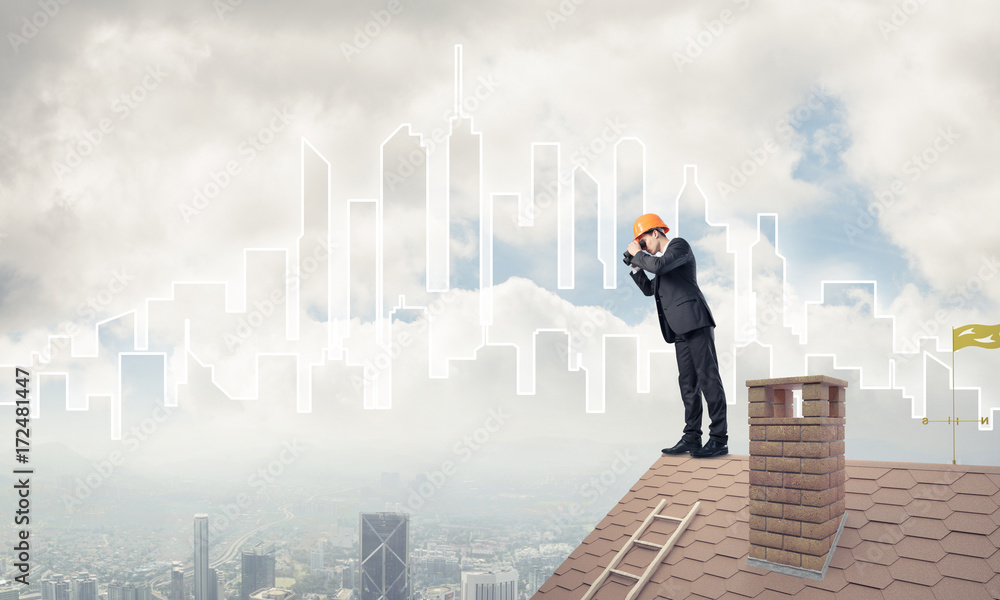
<point>648,241</point>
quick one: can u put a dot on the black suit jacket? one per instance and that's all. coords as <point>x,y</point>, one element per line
<point>679,302</point>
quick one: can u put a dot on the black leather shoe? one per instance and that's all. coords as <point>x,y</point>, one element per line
<point>683,446</point>
<point>712,448</point>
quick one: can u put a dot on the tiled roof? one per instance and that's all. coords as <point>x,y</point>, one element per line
<point>913,531</point>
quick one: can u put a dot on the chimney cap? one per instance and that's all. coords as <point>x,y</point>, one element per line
<point>792,383</point>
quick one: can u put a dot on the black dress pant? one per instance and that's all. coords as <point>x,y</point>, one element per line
<point>698,368</point>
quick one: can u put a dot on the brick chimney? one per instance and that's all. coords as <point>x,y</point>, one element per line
<point>796,474</point>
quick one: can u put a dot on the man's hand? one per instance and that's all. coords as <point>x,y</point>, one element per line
<point>634,248</point>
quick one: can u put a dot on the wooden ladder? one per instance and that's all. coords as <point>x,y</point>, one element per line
<point>641,580</point>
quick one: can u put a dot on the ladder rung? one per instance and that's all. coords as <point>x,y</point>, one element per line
<point>666,517</point>
<point>649,545</point>
<point>625,574</point>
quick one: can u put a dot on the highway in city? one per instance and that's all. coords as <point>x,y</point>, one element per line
<point>228,554</point>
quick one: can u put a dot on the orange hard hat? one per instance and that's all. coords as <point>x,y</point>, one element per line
<point>646,222</point>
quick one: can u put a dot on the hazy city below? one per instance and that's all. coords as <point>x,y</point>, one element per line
<point>132,529</point>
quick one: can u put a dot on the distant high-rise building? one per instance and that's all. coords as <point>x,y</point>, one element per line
<point>350,574</point>
<point>56,587</point>
<point>10,592</point>
<point>439,567</point>
<point>257,569</point>
<point>500,585</point>
<point>316,560</point>
<point>129,591</point>
<point>384,567</point>
<point>537,575</point>
<point>85,587</point>
<point>177,583</point>
<point>215,591</point>
<point>201,584</point>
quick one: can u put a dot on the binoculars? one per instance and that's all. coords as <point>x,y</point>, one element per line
<point>627,256</point>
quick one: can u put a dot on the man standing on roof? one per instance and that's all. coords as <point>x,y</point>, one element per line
<point>685,321</point>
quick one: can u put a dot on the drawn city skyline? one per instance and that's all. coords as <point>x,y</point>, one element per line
<point>326,298</point>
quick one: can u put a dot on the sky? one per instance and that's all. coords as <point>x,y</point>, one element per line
<point>145,144</point>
